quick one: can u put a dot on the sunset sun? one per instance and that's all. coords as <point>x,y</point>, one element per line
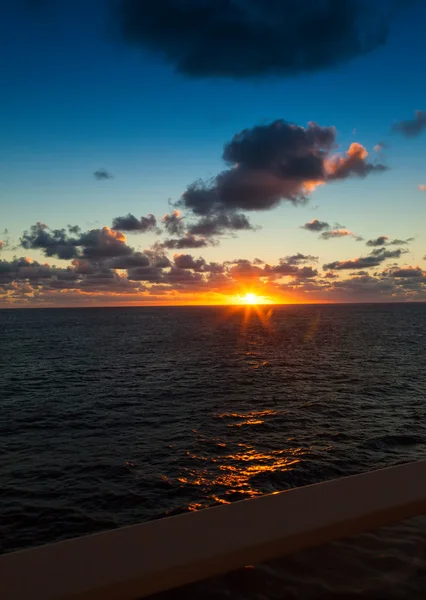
<point>250,299</point>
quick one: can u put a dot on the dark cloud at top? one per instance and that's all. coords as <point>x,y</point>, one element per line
<point>102,174</point>
<point>274,163</point>
<point>269,163</point>
<point>249,38</point>
<point>130,223</point>
<point>412,127</point>
<point>315,225</point>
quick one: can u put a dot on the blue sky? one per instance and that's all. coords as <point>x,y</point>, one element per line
<point>75,98</point>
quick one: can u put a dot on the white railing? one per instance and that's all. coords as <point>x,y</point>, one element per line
<point>132,562</point>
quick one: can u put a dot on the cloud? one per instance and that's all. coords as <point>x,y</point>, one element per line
<point>186,261</point>
<point>353,163</point>
<point>128,261</point>
<point>219,224</point>
<point>286,269</point>
<point>422,187</point>
<point>268,164</point>
<point>173,223</point>
<point>337,233</point>
<point>380,241</point>
<point>102,174</point>
<point>54,242</point>
<point>95,244</point>
<point>383,240</point>
<point>188,241</point>
<point>365,262</point>
<point>412,127</point>
<point>299,258</point>
<point>384,254</point>
<point>315,225</point>
<point>182,276</point>
<point>26,282</point>
<point>223,38</point>
<point>398,242</point>
<point>380,147</point>
<point>272,163</point>
<point>130,223</point>
<point>409,272</point>
<point>149,273</point>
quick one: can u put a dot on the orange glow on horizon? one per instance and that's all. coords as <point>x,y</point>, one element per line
<point>250,299</point>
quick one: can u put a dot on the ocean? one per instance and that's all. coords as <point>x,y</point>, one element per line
<point>113,416</point>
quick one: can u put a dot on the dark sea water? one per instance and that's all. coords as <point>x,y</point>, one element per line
<point>112,416</point>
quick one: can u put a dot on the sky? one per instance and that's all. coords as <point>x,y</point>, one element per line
<point>211,152</point>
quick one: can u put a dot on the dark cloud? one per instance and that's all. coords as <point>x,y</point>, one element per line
<point>130,223</point>
<point>380,241</point>
<point>385,254</point>
<point>24,269</point>
<point>95,244</point>
<point>364,262</point>
<point>188,241</point>
<point>274,163</point>
<point>55,242</point>
<point>219,224</point>
<point>157,257</point>
<point>245,270</point>
<point>398,242</point>
<point>412,127</point>
<point>315,225</point>
<point>128,261</point>
<point>286,269</point>
<point>173,223</point>
<point>409,272</point>
<point>150,274</point>
<point>353,163</point>
<point>102,174</point>
<point>269,163</point>
<point>182,276</point>
<point>98,244</point>
<point>297,259</point>
<point>228,38</point>
<point>383,240</point>
<point>186,261</point>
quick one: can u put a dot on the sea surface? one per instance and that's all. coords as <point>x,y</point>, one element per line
<point>112,416</point>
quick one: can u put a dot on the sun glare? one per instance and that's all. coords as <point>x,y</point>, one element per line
<point>250,299</point>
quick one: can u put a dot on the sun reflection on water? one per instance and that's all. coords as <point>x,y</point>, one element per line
<point>233,472</point>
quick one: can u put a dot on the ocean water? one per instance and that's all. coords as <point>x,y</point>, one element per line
<point>112,416</point>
